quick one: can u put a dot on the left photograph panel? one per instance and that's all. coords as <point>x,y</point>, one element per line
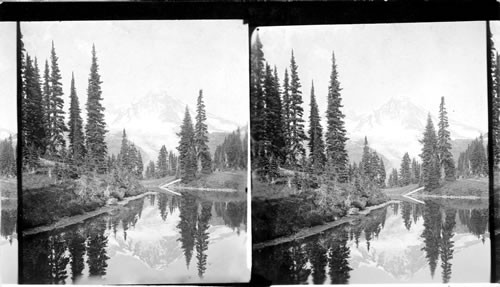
<point>134,152</point>
<point>8,148</point>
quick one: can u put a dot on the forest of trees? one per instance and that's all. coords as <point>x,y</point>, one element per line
<point>8,165</point>
<point>232,153</point>
<point>166,165</point>
<point>437,160</point>
<point>409,173</point>
<point>278,134</point>
<point>44,128</point>
<point>194,156</point>
<point>494,88</point>
<point>474,160</point>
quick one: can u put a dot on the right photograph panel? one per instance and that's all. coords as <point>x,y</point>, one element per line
<point>369,153</point>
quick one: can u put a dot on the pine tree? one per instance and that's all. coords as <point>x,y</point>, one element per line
<point>75,124</point>
<point>201,138</point>
<point>257,106</point>
<point>274,120</point>
<point>46,103</point>
<point>405,172</point>
<point>95,128</point>
<point>297,134</point>
<point>33,125</point>
<point>285,115</point>
<point>57,141</point>
<point>336,153</point>
<point>382,174</point>
<point>365,164</point>
<point>187,152</point>
<point>316,143</point>
<point>444,144</point>
<point>124,155</point>
<point>494,87</point>
<point>161,164</point>
<point>430,161</point>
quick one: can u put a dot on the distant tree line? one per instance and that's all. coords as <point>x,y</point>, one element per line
<point>166,165</point>
<point>278,135</point>
<point>8,165</point>
<point>474,160</point>
<point>232,153</point>
<point>409,173</point>
<point>44,127</point>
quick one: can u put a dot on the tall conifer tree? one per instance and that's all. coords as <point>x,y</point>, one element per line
<point>444,144</point>
<point>257,106</point>
<point>430,161</point>
<point>316,143</point>
<point>297,134</point>
<point>95,129</point>
<point>201,137</point>
<point>187,152</point>
<point>57,141</point>
<point>336,138</point>
<point>75,124</point>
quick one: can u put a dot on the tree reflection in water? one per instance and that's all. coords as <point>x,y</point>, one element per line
<point>309,259</point>
<point>50,257</point>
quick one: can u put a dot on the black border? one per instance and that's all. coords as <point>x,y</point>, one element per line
<point>260,14</point>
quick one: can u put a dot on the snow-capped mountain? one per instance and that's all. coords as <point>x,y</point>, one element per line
<point>397,126</point>
<point>154,120</point>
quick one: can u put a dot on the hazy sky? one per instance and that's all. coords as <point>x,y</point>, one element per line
<point>8,76</point>
<point>421,61</point>
<point>136,57</point>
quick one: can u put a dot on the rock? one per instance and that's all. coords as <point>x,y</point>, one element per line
<point>353,211</point>
<point>112,201</point>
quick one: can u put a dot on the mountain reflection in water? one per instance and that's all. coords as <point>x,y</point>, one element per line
<point>156,239</point>
<point>8,242</point>
<point>403,242</point>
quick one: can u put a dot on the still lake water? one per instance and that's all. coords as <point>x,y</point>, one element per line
<point>160,238</point>
<point>401,243</point>
<point>8,241</point>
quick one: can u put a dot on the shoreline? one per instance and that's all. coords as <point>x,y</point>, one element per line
<point>68,221</point>
<point>310,231</point>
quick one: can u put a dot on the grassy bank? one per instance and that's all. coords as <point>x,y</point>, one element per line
<point>47,200</point>
<point>8,187</point>
<point>462,187</point>
<point>223,179</point>
<point>284,211</point>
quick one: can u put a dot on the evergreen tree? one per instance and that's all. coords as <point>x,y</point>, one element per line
<point>95,128</point>
<point>75,124</point>
<point>430,161</point>
<point>139,165</point>
<point>274,140</point>
<point>57,141</point>
<point>33,125</point>
<point>365,164</point>
<point>316,143</point>
<point>494,87</point>
<point>336,153</point>
<point>46,103</point>
<point>285,115</point>
<point>296,125</point>
<point>405,172</point>
<point>382,174</point>
<point>444,144</point>
<point>257,106</point>
<point>7,158</point>
<point>187,152</point>
<point>124,155</point>
<point>201,138</point>
<point>161,164</point>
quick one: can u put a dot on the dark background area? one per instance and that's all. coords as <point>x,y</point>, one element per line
<point>264,14</point>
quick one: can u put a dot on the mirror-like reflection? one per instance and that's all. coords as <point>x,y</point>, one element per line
<point>403,242</point>
<point>159,238</point>
<point>8,241</point>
